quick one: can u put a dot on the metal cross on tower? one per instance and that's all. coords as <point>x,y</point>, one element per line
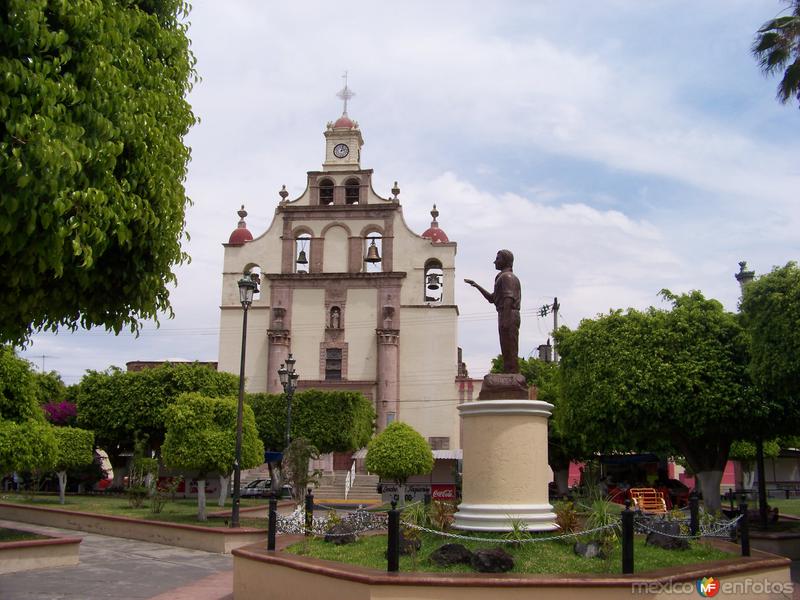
<point>345,93</point>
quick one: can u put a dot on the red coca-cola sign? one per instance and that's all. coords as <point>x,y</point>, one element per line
<point>443,492</point>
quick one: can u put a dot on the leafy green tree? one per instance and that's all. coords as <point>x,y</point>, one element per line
<point>660,380</point>
<point>771,312</point>
<point>75,449</point>
<point>745,452</point>
<point>27,442</point>
<point>30,445</point>
<point>296,459</point>
<point>93,113</point>
<point>397,453</point>
<point>201,437</point>
<point>50,387</point>
<point>777,48</point>
<point>330,421</point>
<point>561,449</point>
<point>118,405</point>
<point>18,390</point>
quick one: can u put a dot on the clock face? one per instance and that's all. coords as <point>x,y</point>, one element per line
<point>341,150</point>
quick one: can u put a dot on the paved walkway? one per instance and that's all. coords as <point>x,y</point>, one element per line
<point>121,569</point>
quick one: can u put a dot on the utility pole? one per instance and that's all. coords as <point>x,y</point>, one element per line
<point>543,312</point>
<point>43,356</point>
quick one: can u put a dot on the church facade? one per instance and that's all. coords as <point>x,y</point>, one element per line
<point>361,301</point>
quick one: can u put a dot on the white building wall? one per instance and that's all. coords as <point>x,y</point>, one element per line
<point>336,250</point>
<point>428,367</point>
<point>308,327</point>
<point>360,324</point>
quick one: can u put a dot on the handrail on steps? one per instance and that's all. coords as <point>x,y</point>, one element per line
<point>350,479</point>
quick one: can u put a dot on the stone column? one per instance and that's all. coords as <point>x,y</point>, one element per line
<point>388,389</point>
<point>505,470</point>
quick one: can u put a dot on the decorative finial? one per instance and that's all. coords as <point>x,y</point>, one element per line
<point>435,215</point>
<point>395,190</point>
<point>283,193</point>
<point>242,214</point>
<point>345,93</point>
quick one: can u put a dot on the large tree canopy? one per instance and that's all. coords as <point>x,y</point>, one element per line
<point>330,421</point>
<point>201,436</point>
<point>118,404</point>
<point>18,389</point>
<point>771,314</point>
<point>92,161</point>
<point>660,379</point>
<point>777,48</point>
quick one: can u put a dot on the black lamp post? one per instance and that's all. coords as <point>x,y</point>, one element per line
<point>248,286</point>
<point>288,377</point>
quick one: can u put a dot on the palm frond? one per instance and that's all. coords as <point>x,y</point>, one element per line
<point>790,84</point>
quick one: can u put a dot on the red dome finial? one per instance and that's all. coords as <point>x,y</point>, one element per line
<point>241,234</point>
<point>434,234</point>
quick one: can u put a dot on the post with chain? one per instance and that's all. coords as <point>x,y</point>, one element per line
<point>272,528</point>
<point>393,551</point>
<point>309,512</point>
<point>744,529</point>
<point>627,539</point>
<point>694,514</point>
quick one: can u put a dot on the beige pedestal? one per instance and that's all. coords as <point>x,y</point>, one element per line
<point>505,472</point>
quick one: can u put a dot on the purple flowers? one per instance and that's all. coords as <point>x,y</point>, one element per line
<point>61,413</point>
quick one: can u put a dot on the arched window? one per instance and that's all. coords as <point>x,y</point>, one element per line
<point>301,251</point>
<point>434,281</point>
<point>373,251</point>
<point>326,191</point>
<point>352,189</point>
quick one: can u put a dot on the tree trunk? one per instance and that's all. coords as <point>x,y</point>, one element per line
<point>707,459</point>
<point>223,489</point>
<point>62,485</point>
<point>709,484</point>
<point>748,479</point>
<point>275,479</point>
<point>561,477</point>
<point>201,500</point>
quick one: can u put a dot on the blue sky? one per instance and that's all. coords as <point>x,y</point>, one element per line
<point>616,147</point>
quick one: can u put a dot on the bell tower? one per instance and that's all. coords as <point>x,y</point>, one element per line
<point>343,139</point>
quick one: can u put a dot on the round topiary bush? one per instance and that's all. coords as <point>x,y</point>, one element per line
<point>399,452</point>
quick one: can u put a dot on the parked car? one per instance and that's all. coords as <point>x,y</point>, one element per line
<point>258,488</point>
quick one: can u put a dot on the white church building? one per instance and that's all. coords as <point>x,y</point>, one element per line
<point>362,302</point>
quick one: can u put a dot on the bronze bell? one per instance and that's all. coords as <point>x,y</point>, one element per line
<point>433,281</point>
<point>301,258</point>
<point>372,254</point>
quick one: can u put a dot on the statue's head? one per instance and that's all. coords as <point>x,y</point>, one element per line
<point>504,259</point>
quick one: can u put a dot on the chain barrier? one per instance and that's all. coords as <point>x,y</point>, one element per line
<point>470,538</point>
<point>720,531</point>
<point>360,521</point>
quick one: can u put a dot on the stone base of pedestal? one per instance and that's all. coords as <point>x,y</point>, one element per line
<point>500,517</point>
<point>506,476</point>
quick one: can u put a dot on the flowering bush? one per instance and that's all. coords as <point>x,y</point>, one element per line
<point>61,413</point>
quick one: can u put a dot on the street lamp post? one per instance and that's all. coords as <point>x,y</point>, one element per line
<point>247,288</point>
<point>288,377</point>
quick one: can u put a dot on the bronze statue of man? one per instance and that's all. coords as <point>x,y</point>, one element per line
<point>506,297</point>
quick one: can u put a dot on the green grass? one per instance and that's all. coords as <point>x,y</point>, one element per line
<point>785,507</point>
<point>14,535</point>
<point>554,558</point>
<point>179,511</point>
